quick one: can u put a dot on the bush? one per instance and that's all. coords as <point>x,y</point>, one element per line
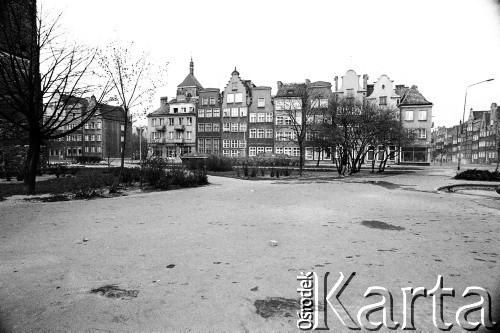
<point>245,170</point>
<point>218,163</point>
<point>263,172</point>
<point>159,175</point>
<point>88,159</point>
<point>474,174</point>
<point>131,175</point>
<point>90,184</point>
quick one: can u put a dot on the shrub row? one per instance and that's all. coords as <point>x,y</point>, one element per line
<point>475,174</point>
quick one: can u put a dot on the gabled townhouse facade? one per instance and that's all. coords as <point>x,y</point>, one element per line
<point>416,115</point>
<point>209,122</point>
<point>261,119</point>
<point>236,99</point>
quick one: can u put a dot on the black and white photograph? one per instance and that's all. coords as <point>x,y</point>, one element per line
<point>249,166</point>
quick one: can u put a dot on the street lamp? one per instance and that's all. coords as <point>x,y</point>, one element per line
<point>463,121</point>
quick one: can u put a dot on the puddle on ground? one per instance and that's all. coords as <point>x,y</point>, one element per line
<point>112,291</point>
<point>277,307</point>
<point>381,225</point>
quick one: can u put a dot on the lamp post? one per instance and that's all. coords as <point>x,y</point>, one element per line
<point>463,122</point>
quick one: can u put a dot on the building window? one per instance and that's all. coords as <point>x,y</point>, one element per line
<point>201,113</point>
<point>226,127</point>
<point>409,115</point>
<point>208,127</point>
<point>201,127</point>
<point>269,133</point>
<point>253,117</point>
<point>234,127</point>
<point>280,120</point>
<point>216,127</point>
<point>279,150</point>
<point>261,117</point>
<point>212,100</point>
<point>238,98</point>
<point>422,133</point>
<point>122,139</point>
<point>243,143</point>
<point>260,133</point>
<point>253,133</point>
<point>189,121</point>
<point>243,127</point>
<point>230,98</point>
<point>180,121</point>
<point>188,133</point>
<point>98,137</point>
<point>269,117</point>
<point>99,125</point>
<point>86,150</point>
<point>234,112</point>
<point>323,103</point>
<point>383,100</point>
<point>422,115</point>
<point>171,121</point>
<point>122,127</point>
<point>204,101</point>
<point>79,137</point>
<point>86,137</point>
<point>226,144</point>
<point>226,152</point>
<point>208,113</point>
<point>226,112</point>
<point>201,148</point>
<point>92,149</point>
<point>216,113</point>
<point>243,112</point>
<point>260,150</point>
<point>252,151</point>
<point>87,126</point>
<point>162,120</point>
<point>92,137</point>
<point>234,143</point>
<point>269,150</point>
<point>261,103</point>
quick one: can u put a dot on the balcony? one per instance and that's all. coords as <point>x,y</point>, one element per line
<point>160,128</point>
<point>179,127</point>
<point>179,140</point>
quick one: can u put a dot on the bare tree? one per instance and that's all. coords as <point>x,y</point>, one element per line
<point>134,81</point>
<point>36,67</point>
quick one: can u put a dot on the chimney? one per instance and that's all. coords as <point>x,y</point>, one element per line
<point>163,100</point>
<point>280,85</point>
<point>336,79</point>
<point>365,81</point>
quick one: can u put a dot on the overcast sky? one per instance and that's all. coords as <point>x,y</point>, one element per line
<point>442,46</point>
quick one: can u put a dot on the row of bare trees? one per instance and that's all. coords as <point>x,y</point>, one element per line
<point>37,66</point>
<point>351,128</point>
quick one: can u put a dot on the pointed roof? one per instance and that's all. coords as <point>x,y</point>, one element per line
<point>411,96</point>
<point>190,80</point>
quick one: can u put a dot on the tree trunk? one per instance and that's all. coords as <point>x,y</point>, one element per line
<point>124,145</point>
<point>319,157</point>
<point>32,163</point>
<point>301,158</point>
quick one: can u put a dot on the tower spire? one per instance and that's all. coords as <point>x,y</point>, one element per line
<point>191,67</point>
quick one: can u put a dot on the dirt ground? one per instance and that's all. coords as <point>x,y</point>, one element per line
<point>202,259</point>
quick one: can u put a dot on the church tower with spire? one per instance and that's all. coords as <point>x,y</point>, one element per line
<point>190,87</point>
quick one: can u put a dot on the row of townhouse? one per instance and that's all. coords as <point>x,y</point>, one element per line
<point>247,120</point>
<point>100,137</point>
<point>475,141</point>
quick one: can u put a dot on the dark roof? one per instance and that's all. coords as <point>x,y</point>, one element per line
<point>162,110</point>
<point>111,112</point>
<point>74,100</point>
<point>320,84</point>
<point>291,90</point>
<point>411,96</point>
<point>190,81</point>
